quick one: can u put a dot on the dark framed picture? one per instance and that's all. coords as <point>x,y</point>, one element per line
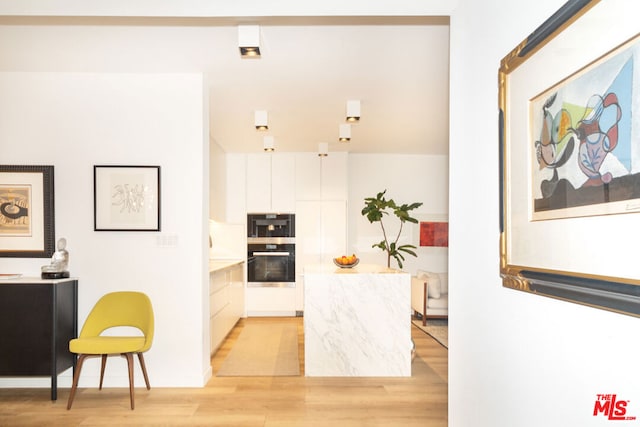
<point>570,159</point>
<point>27,222</point>
<point>126,198</point>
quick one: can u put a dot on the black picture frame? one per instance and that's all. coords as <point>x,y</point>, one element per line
<point>126,198</point>
<point>27,211</point>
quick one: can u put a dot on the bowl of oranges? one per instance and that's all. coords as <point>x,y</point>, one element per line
<point>346,261</point>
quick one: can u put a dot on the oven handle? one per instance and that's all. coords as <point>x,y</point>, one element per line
<point>271,254</point>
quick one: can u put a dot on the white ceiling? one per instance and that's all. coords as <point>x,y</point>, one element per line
<point>397,67</point>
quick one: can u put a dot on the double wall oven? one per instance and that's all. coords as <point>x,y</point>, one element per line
<point>271,250</point>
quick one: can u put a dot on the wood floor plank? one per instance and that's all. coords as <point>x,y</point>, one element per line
<point>419,400</point>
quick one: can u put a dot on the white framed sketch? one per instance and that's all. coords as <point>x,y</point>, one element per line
<point>126,198</point>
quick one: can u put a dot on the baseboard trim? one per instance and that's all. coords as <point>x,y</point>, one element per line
<point>285,313</point>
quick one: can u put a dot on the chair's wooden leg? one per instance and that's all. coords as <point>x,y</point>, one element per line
<point>129,357</point>
<point>144,370</point>
<point>76,377</point>
<point>102,367</point>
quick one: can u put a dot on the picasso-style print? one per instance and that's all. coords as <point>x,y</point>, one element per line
<point>586,154</point>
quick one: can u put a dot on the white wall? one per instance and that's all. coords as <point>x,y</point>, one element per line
<point>217,183</point>
<point>515,359</point>
<point>236,202</point>
<point>407,179</point>
<point>74,121</point>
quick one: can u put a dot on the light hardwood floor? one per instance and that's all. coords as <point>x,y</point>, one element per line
<point>420,400</point>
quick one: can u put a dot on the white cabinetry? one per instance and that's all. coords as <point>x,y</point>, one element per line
<point>321,235</point>
<point>271,302</point>
<point>236,290</point>
<point>226,301</point>
<point>321,178</point>
<point>315,189</point>
<point>308,176</point>
<point>321,212</point>
<point>259,182</point>
<point>283,183</point>
<point>271,182</point>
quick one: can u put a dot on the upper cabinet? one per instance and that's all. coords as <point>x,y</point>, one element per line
<point>259,182</point>
<point>273,182</point>
<point>270,182</point>
<point>283,182</point>
<point>321,178</point>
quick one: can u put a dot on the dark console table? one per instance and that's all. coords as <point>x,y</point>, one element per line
<point>37,320</point>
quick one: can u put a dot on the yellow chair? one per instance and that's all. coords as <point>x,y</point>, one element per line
<point>112,310</point>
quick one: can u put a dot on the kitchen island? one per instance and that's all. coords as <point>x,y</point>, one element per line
<point>357,321</point>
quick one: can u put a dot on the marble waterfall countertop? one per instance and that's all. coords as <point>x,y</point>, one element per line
<point>358,269</point>
<point>221,264</point>
<point>357,321</point>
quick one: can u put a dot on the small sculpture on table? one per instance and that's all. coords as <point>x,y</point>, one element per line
<point>59,266</point>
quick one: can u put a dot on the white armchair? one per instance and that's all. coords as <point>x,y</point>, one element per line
<point>430,295</point>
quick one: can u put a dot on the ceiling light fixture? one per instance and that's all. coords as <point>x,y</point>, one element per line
<point>323,149</point>
<point>353,111</point>
<point>261,120</point>
<point>268,144</point>
<point>249,41</point>
<point>345,133</point>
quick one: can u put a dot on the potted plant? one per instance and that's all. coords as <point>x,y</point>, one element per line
<point>375,208</point>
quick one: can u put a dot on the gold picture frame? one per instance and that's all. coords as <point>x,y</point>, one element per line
<point>581,259</point>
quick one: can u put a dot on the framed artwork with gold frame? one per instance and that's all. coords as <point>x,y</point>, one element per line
<point>569,158</point>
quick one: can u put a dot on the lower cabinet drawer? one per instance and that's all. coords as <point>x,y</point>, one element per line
<point>218,300</point>
<point>217,332</point>
<point>271,301</point>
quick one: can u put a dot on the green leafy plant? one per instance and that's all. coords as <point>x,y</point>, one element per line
<point>375,209</point>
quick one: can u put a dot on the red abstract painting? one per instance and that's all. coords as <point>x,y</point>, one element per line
<point>434,234</point>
